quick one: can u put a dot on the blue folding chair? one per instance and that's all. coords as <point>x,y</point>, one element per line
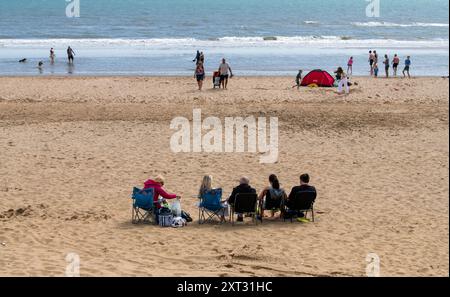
<point>143,208</point>
<point>211,207</point>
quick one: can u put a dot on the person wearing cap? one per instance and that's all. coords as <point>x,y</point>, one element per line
<point>243,188</point>
<point>157,184</point>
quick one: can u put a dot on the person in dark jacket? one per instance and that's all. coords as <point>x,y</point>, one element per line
<point>243,188</point>
<point>303,187</point>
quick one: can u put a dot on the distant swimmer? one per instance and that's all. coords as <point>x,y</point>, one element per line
<point>70,54</point>
<point>22,61</point>
<point>40,67</point>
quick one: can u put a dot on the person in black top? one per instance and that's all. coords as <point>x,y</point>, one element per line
<point>304,187</point>
<point>243,188</point>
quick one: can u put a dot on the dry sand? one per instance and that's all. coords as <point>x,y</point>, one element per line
<point>73,148</point>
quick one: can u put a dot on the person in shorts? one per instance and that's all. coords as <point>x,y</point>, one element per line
<point>225,72</point>
<point>407,65</point>
<point>199,75</point>
<point>395,62</point>
<point>70,54</point>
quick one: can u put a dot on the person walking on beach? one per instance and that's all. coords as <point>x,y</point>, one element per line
<point>395,62</point>
<point>199,75</point>
<point>342,80</point>
<point>52,56</point>
<point>386,65</point>
<point>225,72</point>
<point>375,57</point>
<point>371,60</point>
<point>70,54</point>
<point>350,66</point>
<point>407,65</point>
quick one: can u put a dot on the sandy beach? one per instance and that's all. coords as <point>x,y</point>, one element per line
<point>72,148</point>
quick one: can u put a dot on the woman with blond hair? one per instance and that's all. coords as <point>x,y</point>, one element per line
<point>205,186</point>
<point>157,184</point>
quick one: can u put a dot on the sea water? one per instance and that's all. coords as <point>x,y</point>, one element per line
<point>258,37</point>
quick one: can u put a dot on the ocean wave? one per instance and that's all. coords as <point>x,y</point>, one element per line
<point>311,22</point>
<point>389,24</point>
<point>226,42</point>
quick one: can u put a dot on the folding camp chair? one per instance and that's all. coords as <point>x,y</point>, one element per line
<point>245,203</point>
<point>263,202</point>
<point>210,207</point>
<point>303,202</point>
<point>143,208</point>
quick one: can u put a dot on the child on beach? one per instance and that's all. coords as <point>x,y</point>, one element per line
<point>375,69</point>
<point>395,62</point>
<point>407,65</point>
<point>298,79</point>
<point>342,80</point>
<point>350,66</point>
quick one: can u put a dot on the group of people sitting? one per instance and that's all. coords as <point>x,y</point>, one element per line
<point>273,197</point>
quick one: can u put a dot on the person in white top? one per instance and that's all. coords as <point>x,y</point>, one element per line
<point>225,72</point>
<point>342,80</point>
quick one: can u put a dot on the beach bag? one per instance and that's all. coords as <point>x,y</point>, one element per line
<point>186,216</point>
<point>165,217</point>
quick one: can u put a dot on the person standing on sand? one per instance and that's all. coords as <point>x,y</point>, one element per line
<point>386,65</point>
<point>395,62</point>
<point>350,66</point>
<point>375,57</point>
<point>371,60</point>
<point>407,65</point>
<point>199,75</point>
<point>225,72</point>
<point>70,54</point>
<point>375,70</point>
<point>52,56</point>
<point>298,79</point>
